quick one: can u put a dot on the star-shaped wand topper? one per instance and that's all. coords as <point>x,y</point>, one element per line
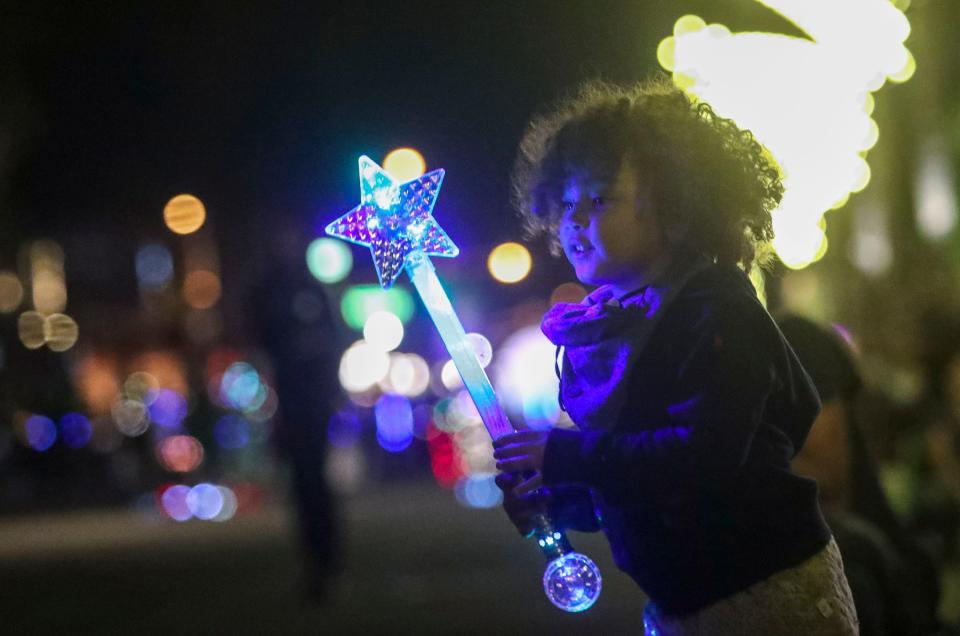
<point>394,220</point>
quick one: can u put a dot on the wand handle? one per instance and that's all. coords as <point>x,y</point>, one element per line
<point>435,299</point>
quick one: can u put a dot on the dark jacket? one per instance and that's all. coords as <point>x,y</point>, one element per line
<point>692,484</point>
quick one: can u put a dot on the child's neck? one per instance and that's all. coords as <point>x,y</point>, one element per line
<point>660,272</point>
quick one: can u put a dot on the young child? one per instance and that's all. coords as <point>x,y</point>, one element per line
<point>689,403</point>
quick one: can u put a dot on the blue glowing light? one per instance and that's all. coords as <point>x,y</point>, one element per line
<point>394,219</point>
<point>204,501</point>
<point>232,432</point>
<point>75,430</point>
<point>154,266</point>
<point>478,491</point>
<point>394,422</point>
<point>343,430</point>
<point>41,432</point>
<point>167,408</point>
<point>174,502</point>
<point>572,581</point>
<point>241,387</point>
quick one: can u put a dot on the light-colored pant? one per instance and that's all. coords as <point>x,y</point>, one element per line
<point>811,599</point>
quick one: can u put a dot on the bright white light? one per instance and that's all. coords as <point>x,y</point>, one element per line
<point>383,330</point>
<point>450,376</point>
<point>935,197</point>
<point>525,378</point>
<point>362,366</point>
<point>482,347</point>
<point>807,100</point>
<point>409,375</point>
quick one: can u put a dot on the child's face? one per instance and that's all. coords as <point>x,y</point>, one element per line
<point>609,231</point>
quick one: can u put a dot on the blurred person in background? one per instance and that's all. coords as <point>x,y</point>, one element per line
<point>295,325</point>
<point>895,584</point>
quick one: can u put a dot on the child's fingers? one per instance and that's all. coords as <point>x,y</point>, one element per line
<point>517,437</point>
<point>530,485</point>
<point>513,450</point>
<point>516,464</point>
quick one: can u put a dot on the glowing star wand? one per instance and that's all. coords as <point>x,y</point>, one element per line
<point>395,221</point>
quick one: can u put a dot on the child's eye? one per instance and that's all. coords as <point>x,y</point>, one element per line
<point>599,202</point>
<point>568,206</point>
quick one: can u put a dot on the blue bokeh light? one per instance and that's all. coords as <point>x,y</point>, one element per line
<point>75,430</point>
<point>204,501</point>
<point>174,502</point>
<point>394,417</point>
<point>344,429</point>
<point>478,491</point>
<point>40,431</point>
<point>232,432</point>
<point>154,266</point>
<point>241,387</point>
<point>167,408</point>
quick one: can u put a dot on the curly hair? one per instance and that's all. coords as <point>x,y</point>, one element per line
<point>713,186</point>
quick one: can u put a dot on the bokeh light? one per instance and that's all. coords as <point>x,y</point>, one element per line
<point>360,301</point>
<point>383,330</point>
<point>180,453</point>
<point>404,164</point>
<point>75,430</point>
<point>568,293</point>
<point>40,432</point>
<point>174,502</point>
<point>482,347</point>
<point>11,292</point>
<point>48,286</point>
<point>231,432</point>
<point>329,260</point>
<point>822,140</point>
<point>450,376</point>
<point>509,262</point>
<point>362,366</point>
<point>201,289</point>
<point>60,332</point>
<point>154,266</point>
<point>141,386</point>
<point>394,417</point>
<point>204,501</point>
<point>525,378</point>
<point>241,387</point>
<point>409,375</point>
<point>229,507</point>
<point>184,214</point>
<point>131,417</point>
<point>167,408</point>
<point>343,429</point>
<point>30,329</point>
<point>478,491</point>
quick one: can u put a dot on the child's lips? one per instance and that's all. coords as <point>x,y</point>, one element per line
<point>579,250</point>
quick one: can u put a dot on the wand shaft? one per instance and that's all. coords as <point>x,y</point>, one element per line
<point>435,299</point>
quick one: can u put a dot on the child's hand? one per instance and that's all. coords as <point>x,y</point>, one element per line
<point>521,510</point>
<point>522,453</point>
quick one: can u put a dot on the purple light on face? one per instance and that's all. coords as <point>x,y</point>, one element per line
<point>168,408</point>
<point>394,422</point>
<point>344,429</point>
<point>232,432</point>
<point>75,430</point>
<point>41,432</point>
<point>174,502</point>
